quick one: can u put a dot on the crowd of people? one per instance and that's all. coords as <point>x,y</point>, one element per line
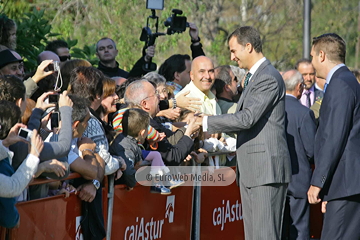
<point>272,125</point>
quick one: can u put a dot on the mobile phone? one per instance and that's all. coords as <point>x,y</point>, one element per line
<point>53,98</point>
<point>25,134</point>
<point>54,120</point>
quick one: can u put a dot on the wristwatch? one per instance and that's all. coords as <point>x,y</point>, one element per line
<point>96,184</point>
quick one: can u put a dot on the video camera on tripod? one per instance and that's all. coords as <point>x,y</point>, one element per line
<point>175,24</point>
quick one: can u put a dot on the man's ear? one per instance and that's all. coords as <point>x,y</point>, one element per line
<point>249,47</point>
<point>75,124</point>
<point>19,102</point>
<point>176,76</point>
<point>227,88</point>
<point>322,56</point>
<point>117,51</point>
<point>142,132</point>
<point>144,105</point>
<point>191,75</point>
<point>97,55</point>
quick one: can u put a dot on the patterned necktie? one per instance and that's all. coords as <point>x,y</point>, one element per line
<point>247,77</point>
<point>308,100</point>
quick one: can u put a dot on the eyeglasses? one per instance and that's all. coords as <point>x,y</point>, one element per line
<point>64,58</point>
<point>155,94</point>
<point>238,83</point>
<point>164,90</point>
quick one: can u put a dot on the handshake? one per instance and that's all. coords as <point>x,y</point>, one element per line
<point>194,125</point>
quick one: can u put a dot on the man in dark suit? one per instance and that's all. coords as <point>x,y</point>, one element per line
<point>300,130</point>
<point>259,122</point>
<point>310,93</point>
<point>336,178</point>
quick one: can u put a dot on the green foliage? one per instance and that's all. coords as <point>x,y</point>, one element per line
<point>87,53</point>
<point>14,8</point>
<point>32,34</point>
<point>84,22</point>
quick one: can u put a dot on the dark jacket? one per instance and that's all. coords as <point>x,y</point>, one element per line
<point>300,134</point>
<point>337,141</point>
<point>113,72</point>
<point>9,216</point>
<point>136,71</point>
<point>196,51</point>
<point>172,154</point>
<point>128,149</point>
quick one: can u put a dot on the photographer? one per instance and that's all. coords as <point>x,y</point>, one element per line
<point>9,116</point>
<point>106,51</point>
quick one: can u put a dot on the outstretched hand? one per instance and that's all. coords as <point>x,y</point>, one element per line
<point>193,104</point>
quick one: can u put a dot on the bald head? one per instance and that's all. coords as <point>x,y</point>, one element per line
<point>47,55</point>
<point>200,60</point>
<point>202,73</point>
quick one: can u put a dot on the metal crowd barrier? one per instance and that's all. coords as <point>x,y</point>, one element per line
<point>199,213</point>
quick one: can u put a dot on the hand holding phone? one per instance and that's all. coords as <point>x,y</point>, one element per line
<point>55,120</point>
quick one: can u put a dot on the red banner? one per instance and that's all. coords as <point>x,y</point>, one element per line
<point>221,213</point>
<point>52,218</point>
<point>139,214</point>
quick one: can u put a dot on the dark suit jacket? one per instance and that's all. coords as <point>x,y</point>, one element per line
<point>318,94</point>
<point>262,152</point>
<point>300,133</point>
<point>337,143</point>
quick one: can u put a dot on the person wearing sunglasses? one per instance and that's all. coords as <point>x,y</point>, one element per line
<point>61,48</point>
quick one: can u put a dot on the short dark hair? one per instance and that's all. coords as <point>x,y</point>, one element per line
<point>247,34</point>
<point>333,46</point>
<point>303,60</point>
<point>12,88</point>
<point>105,38</point>
<point>55,45</point>
<point>9,116</point>
<point>79,109</point>
<point>175,63</point>
<point>66,69</point>
<point>222,78</point>
<point>135,120</point>
<point>86,82</point>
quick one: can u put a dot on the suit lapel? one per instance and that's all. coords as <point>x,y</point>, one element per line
<point>247,89</point>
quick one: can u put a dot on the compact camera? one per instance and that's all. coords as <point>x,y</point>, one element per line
<point>53,98</point>
<point>25,134</point>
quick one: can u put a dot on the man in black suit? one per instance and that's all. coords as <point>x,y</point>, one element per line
<point>336,178</point>
<point>300,130</point>
<point>310,93</point>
